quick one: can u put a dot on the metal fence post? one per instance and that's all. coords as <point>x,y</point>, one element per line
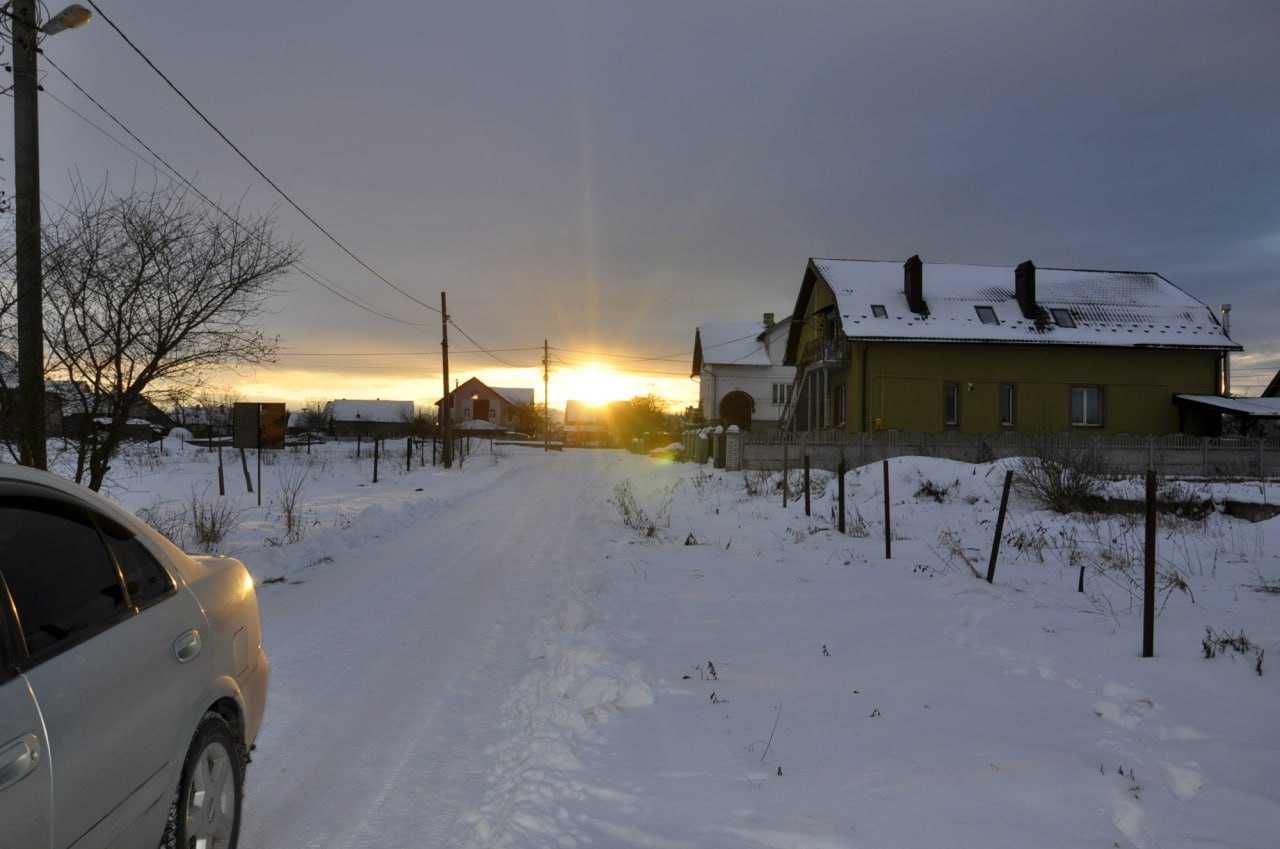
<point>1149,572</point>
<point>995,543</point>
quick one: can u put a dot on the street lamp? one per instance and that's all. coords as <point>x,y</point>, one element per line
<point>26,184</point>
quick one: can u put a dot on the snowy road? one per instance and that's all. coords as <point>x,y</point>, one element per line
<point>390,669</point>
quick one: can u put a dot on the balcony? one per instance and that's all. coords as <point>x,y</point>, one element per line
<point>825,353</point>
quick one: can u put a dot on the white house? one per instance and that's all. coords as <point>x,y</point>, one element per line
<point>739,367</point>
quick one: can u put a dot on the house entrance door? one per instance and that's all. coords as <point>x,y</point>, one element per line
<point>480,409</point>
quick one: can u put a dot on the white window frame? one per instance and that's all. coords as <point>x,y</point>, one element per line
<point>1091,416</point>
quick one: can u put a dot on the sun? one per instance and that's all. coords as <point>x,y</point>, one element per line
<point>592,383</point>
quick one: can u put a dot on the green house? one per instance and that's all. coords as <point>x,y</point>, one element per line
<point>930,347</point>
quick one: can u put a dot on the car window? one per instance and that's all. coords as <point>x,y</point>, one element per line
<point>144,577</point>
<point>63,584</point>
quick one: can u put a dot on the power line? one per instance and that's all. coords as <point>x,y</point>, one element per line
<point>452,351</point>
<point>307,272</point>
<point>289,199</point>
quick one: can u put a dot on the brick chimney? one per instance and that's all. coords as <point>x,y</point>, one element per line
<point>768,320</point>
<point>913,285</point>
<point>1024,286</point>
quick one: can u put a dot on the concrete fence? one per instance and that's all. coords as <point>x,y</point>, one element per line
<point>1175,454</point>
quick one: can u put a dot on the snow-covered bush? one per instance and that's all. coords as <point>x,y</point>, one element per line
<point>212,519</point>
<point>167,518</point>
<point>1062,478</point>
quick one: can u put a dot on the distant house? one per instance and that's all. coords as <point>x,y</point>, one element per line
<point>981,349</point>
<point>474,400</point>
<point>9,417</point>
<point>585,424</point>
<point>742,379</point>
<point>83,414</point>
<point>378,418</point>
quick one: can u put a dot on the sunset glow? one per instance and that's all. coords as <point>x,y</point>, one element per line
<point>593,383</point>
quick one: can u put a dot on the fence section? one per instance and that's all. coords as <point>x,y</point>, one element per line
<point>1174,454</point>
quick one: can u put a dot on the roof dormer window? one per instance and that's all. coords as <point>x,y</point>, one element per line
<point>879,311</point>
<point>1062,317</point>
<point>987,315</point>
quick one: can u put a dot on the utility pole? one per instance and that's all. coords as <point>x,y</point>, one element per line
<point>26,214</point>
<point>447,403</point>
<point>546,399</point>
<point>26,185</point>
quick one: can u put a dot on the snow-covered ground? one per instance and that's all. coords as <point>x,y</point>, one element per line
<point>491,658</point>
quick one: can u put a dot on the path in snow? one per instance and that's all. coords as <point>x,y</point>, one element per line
<point>390,668</point>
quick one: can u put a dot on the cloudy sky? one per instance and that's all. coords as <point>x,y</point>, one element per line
<point>607,174</point>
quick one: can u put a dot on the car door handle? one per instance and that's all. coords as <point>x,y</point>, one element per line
<point>187,646</point>
<point>18,758</point>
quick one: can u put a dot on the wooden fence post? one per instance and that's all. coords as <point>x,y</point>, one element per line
<point>784,473</point>
<point>888,528</point>
<point>358,440</point>
<point>1080,584</point>
<point>408,453</point>
<point>806,484</point>
<point>433,450</point>
<point>222,485</point>
<point>244,464</point>
<point>375,459</point>
<point>995,543</point>
<point>308,441</point>
<point>840,493</point>
<point>1149,572</point>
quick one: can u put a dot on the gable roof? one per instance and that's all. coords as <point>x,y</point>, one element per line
<point>740,343</point>
<point>514,395</point>
<point>1131,309</point>
<point>511,395</point>
<point>1273,388</point>
<point>348,410</point>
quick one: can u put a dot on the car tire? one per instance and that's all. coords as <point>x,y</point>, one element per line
<point>210,790</point>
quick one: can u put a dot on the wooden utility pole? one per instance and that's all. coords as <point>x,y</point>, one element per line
<point>446,404</point>
<point>546,399</point>
<point>26,209</point>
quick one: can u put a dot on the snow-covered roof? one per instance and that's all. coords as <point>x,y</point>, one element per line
<point>347,410</point>
<point>741,343</point>
<point>514,395</point>
<point>1258,408</point>
<point>582,413</point>
<point>1112,308</point>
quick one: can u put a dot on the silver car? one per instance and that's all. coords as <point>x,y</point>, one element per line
<point>132,677</point>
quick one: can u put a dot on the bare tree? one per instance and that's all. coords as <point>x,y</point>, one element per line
<point>315,419</point>
<point>151,288</point>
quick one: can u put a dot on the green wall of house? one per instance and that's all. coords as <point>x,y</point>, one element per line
<point>905,386</point>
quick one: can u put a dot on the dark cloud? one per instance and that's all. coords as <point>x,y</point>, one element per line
<point>613,172</point>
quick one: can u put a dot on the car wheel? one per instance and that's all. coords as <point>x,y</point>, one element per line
<point>205,812</point>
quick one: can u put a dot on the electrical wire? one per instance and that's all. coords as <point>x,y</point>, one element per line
<point>279,190</point>
<point>263,174</point>
<point>301,267</point>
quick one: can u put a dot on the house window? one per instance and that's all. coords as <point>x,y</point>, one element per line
<point>1007,395</point>
<point>879,311</point>
<point>466,412</point>
<point>1062,317</point>
<point>1086,406</point>
<point>951,404</point>
<point>987,315</point>
<point>839,397</point>
<point>782,393</point>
